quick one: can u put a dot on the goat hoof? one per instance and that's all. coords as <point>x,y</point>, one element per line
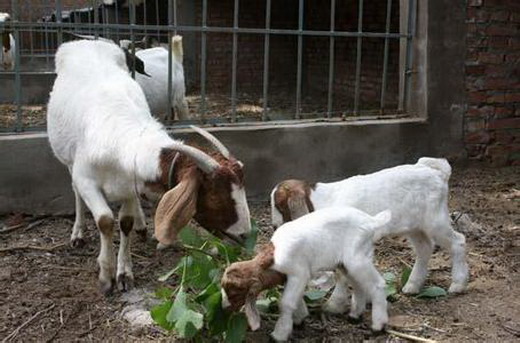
<point>125,282</point>
<point>77,243</point>
<point>355,320</point>
<point>142,234</point>
<point>456,288</point>
<point>377,331</point>
<point>411,289</point>
<point>107,287</point>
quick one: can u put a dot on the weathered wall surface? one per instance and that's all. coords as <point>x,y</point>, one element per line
<point>492,119</point>
<point>38,183</point>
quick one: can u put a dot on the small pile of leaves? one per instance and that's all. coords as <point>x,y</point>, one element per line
<point>193,308</point>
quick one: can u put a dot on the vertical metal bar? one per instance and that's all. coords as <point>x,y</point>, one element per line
<point>157,18</point>
<point>266,57</point>
<point>412,14</point>
<point>58,20</point>
<point>203,59</point>
<point>171,17</point>
<point>96,15</point>
<point>131,8</point>
<point>358,58</point>
<point>117,21</point>
<point>331,57</point>
<point>175,22</point>
<point>234,64</point>
<point>385,58</point>
<point>17,75</point>
<point>299,65</point>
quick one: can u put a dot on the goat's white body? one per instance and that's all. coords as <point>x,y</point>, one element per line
<point>417,195</point>
<point>7,55</point>
<point>155,87</point>
<point>100,126</point>
<point>323,241</point>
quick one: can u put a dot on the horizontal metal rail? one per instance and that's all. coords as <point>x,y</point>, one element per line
<point>216,29</point>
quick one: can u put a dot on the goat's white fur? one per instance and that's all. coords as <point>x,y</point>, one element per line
<point>100,126</point>
<point>322,241</point>
<point>7,55</point>
<point>155,87</point>
<point>417,195</point>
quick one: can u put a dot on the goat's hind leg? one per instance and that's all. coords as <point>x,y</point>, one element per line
<point>455,242</point>
<point>140,223</point>
<point>76,238</point>
<point>339,300</point>
<point>104,219</point>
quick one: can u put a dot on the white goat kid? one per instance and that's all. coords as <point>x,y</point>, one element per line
<point>155,87</point>
<point>326,240</point>
<point>8,44</point>
<point>100,127</point>
<point>416,194</point>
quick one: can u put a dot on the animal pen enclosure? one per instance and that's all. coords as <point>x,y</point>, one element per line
<point>243,61</point>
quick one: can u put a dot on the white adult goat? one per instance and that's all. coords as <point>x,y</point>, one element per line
<point>328,239</point>
<point>100,127</point>
<point>155,87</point>
<point>8,44</point>
<point>416,194</point>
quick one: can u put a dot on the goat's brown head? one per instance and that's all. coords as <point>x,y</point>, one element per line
<point>207,187</point>
<point>243,281</point>
<point>290,200</point>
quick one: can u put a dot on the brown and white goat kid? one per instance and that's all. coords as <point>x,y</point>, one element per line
<point>8,44</point>
<point>329,239</point>
<point>417,195</point>
<point>100,127</point>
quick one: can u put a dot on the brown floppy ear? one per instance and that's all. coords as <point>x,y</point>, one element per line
<point>6,41</point>
<point>176,208</point>
<point>252,315</point>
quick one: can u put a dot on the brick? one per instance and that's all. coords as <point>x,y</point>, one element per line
<point>500,15</point>
<point>475,125</point>
<point>500,98</point>
<point>497,70</point>
<point>475,3</point>
<point>498,154</point>
<point>504,123</point>
<point>499,83</point>
<point>503,112</point>
<point>477,97</point>
<point>498,42</point>
<point>475,70</point>
<point>506,136</point>
<point>480,137</point>
<point>484,111</point>
<point>501,30</point>
<point>512,97</point>
<point>514,42</point>
<point>491,58</point>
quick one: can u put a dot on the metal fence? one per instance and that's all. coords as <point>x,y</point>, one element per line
<point>38,28</point>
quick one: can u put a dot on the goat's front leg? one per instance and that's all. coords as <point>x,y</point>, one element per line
<point>128,217</point>
<point>292,295</point>
<point>423,247</point>
<point>104,219</point>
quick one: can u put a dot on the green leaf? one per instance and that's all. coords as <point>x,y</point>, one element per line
<point>250,242</point>
<point>389,277</point>
<point>217,317</point>
<point>405,275</point>
<point>432,292</point>
<point>211,289</point>
<point>179,307</point>
<point>237,328</point>
<point>189,324</point>
<point>265,305</point>
<point>198,272</point>
<point>159,314</point>
<point>390,290</point>
<point>189,236</point>
<point>164,293</point>
<point>315,294</point>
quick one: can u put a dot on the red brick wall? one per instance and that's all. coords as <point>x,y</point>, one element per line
<point>492,123</point>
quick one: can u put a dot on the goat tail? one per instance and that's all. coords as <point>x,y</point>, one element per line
<point>440,164</point>
<point>177,49</point>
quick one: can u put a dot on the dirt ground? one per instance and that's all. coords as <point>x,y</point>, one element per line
<point>50,293</point>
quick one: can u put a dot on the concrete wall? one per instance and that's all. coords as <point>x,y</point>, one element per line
<point>33,181</point>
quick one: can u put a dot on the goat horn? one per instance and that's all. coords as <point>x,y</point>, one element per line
<point>203,160</point>
<point>213,140</point>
